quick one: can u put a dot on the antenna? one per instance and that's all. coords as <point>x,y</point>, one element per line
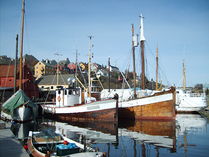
<point>57,54</point>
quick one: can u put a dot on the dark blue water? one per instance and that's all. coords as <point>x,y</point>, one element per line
<point>187,136</point>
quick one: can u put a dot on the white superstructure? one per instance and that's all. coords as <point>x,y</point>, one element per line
<point>187,101</point>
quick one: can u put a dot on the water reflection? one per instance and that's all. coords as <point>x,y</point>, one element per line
<point>185,136</point>
<point>191,130</point>
<point>158,133</point>
<point>95,133</point>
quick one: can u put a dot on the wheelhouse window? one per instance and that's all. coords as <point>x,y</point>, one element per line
<point>70,92</point>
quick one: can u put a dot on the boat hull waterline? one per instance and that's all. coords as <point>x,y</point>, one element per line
<point>105,111</point>
<point>155,107</point>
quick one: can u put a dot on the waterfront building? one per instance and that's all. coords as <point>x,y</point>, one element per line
<point>44,68</point>
<point>7,80</point>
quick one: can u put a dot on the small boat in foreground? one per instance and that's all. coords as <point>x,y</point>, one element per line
<point>50,144</point>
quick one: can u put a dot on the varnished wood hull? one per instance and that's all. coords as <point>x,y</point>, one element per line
<point>160,106</point>
<point>103,111</point>
<point>108,115</point>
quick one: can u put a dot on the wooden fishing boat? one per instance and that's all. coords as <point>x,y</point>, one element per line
<point>48,144</point>
<point>73,104</point>
<point>69,107</point>
<point>144,104</point>
<point>158,106</point>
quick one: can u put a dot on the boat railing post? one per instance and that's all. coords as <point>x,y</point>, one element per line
<point>116,113</point>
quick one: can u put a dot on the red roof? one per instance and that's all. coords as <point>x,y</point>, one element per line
<point>71,66</point>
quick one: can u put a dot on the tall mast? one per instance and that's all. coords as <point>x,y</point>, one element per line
<point>76,67</point>
<point>15,71</point>
<point>109,74</point>
<point>133,54</point>
<point>89,67</point>
<point>142,39</point>
<point>184,76</point>
<point>157,68</point>
<point>57,73</point>
<point>21,43</point>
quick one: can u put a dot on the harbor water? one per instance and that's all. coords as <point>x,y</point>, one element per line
<point>188,135</point>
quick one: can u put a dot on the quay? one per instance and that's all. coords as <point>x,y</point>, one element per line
<point>205,112</point>
<point>9,146</point>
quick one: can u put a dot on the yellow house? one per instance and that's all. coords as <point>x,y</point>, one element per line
<point>43,68</point>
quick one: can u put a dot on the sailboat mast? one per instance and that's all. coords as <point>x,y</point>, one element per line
<point>76,68</point>
<point>89,67</point>
<point>142,39</point>
<point>109,74</point>
<point>21,43</point>
<point>15,71</point>
<point>156,68</point>
<point>134,67</point>
<point>184,76</point>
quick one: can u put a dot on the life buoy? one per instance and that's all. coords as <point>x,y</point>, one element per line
<point>59,98</point>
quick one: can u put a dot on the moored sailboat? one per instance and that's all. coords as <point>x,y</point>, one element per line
<point>19,107</point>
<point>145,104</point>
<point>187,101</point>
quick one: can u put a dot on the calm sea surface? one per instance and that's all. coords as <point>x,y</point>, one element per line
<point>187,136</point>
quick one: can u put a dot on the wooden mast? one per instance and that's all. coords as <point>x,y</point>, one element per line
<point>89,67</point>
<point>15,71</point>
<point>156,68</point>
<point>109,74</point>
<point>142,39</point>
<point>21,43</point>
<point>76,68</point>
<point>133,54</point>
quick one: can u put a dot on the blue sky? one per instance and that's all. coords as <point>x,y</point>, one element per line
<point>180,28</point>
